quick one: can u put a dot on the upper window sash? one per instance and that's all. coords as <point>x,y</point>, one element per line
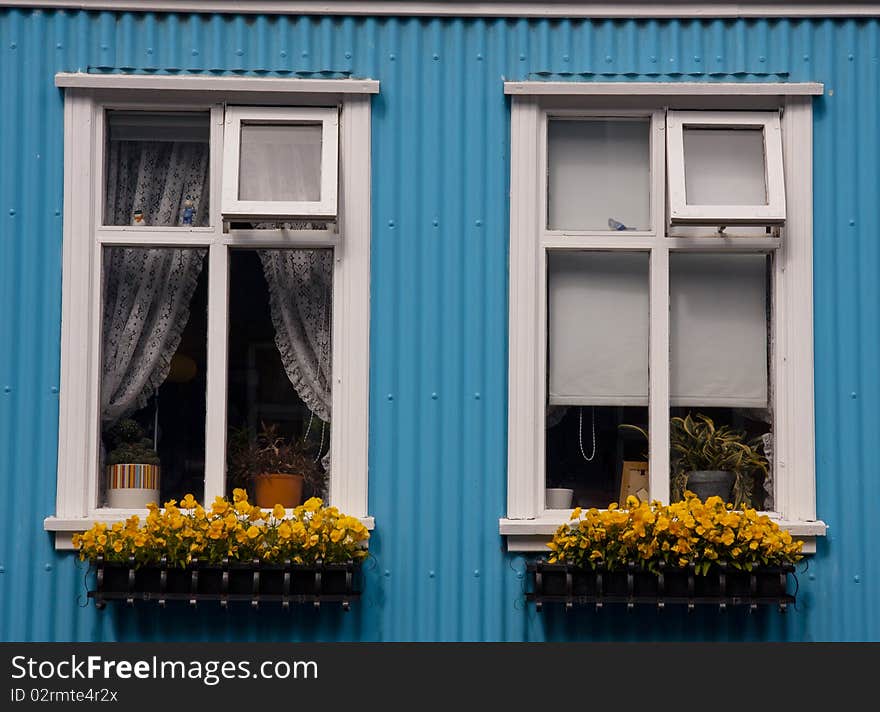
<point>765,205</point>
<point>324,204</point>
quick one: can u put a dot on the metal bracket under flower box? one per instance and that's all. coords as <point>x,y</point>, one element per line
<point>721,586</point>
<point>249,581</point>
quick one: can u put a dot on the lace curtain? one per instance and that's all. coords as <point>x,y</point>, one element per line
<point>147,291</point>
<point>300,300</point>
<point>156,177</point>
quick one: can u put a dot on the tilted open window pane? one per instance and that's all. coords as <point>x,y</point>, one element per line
<point>280,162</point>
<point>153,368</point>
<point>719,364</point>
<point>157,168</point>
<point>279,374</point>
<point>598,377</point>
<point>598,174</point>
<point>725,168</point>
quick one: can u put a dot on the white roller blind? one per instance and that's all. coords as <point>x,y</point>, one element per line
<point>724,166</point>
<point>718,330</point>
<point>598,328</point>
<point>598,170</point>
<point>159,126</point>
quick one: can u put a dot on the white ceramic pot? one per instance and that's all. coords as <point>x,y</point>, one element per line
<point>131,497</point>
<point>559,498</point>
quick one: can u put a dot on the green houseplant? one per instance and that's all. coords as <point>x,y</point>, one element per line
<point>133,467</point>
<point>274,468</point>
<point>712,460</point>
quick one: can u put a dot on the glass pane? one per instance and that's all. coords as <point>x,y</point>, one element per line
<point>719,316</point>
<point>157,168</point>
<point>279,374</point>
<point>597,378</point>
<point>719,374</point>
<point>154,358</point>
<point>724,166</point>
<point>598,175</point>
<point>598,328</point>
<point>726,452</point>
<point>280,162</point>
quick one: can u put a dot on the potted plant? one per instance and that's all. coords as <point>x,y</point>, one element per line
<point>231,551</point>
<point>711,460</point>
<point>133,467</point>
<point>690,552</point>
<point>276,469</point>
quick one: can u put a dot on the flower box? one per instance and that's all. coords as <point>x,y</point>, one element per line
<point>721,586</point>
<point>234,551</point>
<point>251,582</point>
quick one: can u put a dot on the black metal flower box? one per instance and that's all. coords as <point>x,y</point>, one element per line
<point>252,582</point>
<point>721,585</point>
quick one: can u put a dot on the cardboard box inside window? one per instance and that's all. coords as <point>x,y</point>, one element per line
<point>634,480</point>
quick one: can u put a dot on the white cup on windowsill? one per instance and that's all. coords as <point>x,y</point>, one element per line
<point>559,498</point>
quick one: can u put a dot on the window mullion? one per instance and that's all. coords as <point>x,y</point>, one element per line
<point>215,398</point>
<point>218,328</point>
<point>658,376</point>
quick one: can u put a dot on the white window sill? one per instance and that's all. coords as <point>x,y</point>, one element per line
<point>66,527</point>
<point>532,535</point>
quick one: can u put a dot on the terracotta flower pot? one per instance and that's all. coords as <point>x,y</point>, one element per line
<point>276,488</point>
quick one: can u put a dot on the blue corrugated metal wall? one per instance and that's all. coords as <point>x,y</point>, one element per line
<point>439,300</point>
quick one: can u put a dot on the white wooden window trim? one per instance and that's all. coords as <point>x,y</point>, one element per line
<point>83,241</point>
<point>528,524</point>
<point>681,212</point>
<point>226,85</point>
<point>328,118</point>
<point>652,89</point>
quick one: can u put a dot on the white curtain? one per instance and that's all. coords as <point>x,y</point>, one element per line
<point>280,162</point>
<point>147,291</point>
<point>300,300</point>
<point>156,177</point>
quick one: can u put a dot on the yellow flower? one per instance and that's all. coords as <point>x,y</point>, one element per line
<point>279,512</point>
<point>313,504</point>
<point>253,532</point>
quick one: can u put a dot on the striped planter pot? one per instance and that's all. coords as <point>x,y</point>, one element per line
<point>132,486</point>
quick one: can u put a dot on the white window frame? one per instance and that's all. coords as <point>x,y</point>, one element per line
<point>683,213</point>
<point>528,524</point>
<point>87,97</point>
<point>327,117</point>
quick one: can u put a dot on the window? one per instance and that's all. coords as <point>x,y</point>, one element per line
<point>725,167</point>
<point>656,273</point>
<point>192,317</point>
<point>280,162</point>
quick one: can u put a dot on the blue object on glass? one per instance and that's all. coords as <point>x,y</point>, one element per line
<point>188,212</point>
<point>615,224</point>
